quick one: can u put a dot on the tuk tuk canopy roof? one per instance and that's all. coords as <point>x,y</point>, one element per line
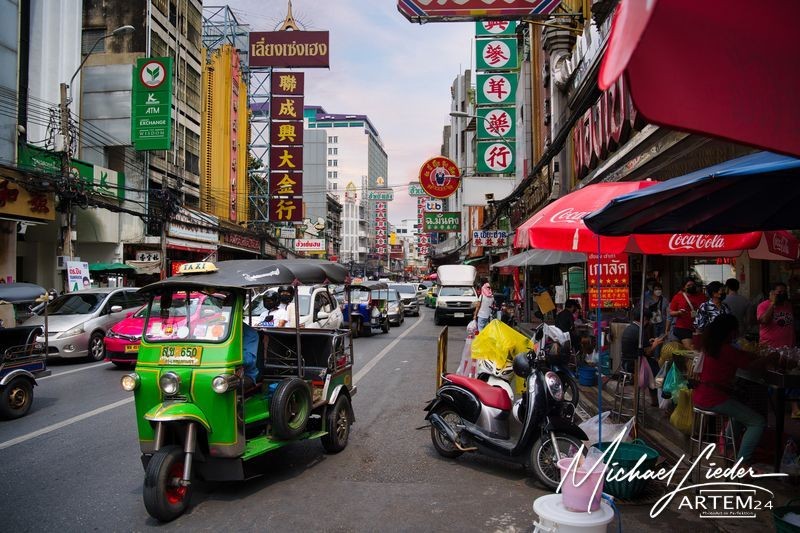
<point>17,293</point>
<point>370,285</point>
<point>252,273</point>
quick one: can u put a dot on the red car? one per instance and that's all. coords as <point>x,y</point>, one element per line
<point>122,340</point>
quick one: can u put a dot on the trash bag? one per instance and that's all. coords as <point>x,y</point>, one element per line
<point>609,430</point>
<point>673,382</point>
<point>467,366</point>
<point>681,418</point>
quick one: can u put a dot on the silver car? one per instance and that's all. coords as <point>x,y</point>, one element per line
<point>408,293</point>
<point>78,321</point>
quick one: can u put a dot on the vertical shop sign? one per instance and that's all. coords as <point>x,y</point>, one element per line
<point>611,272</point>
<point>286,147</point>
<point>151,106</point>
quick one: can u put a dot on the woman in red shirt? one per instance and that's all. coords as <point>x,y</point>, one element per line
<point>720,362</point>
<point>683,309</point>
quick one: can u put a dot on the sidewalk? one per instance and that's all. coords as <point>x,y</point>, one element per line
<point>659,434</point>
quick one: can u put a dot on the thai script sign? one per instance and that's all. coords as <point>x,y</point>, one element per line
<point>242,241</point>
<point>610,271</point>
<point>289,49</point>
<point>447,221</point>
<point>151,106</point>
<point>383,195</point>
<point>439,177</point>
<point>77,276</point>
<point>309,245</point>
<point>414,189</point>
<point>423,11</point>
<point>195,226</point>
<point>489,238</point>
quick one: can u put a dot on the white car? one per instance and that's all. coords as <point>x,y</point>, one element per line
<point>325,312</point>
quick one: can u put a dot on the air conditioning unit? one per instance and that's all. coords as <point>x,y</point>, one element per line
<point>61,262</point>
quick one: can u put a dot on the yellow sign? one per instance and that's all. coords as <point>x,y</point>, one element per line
<point>16,200</point>
<point>181,355</point>
<point>393,238</point>
<point>202,267</point>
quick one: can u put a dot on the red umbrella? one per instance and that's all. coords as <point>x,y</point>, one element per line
<point>724,68</point>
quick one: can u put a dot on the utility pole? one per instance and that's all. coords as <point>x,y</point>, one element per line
<point>66,174</point>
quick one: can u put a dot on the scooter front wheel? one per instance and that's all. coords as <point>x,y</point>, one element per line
<point>444,447</point>
<point>165,497</point>
<point>544,460</point>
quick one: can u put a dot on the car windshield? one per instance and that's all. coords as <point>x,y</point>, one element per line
<point>457,291</point>
<point>76,304</point>
<point>405,289</point>
<point>393,296</point>
<point>172,316</point>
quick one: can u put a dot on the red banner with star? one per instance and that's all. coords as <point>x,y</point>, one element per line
<point>612,273</point>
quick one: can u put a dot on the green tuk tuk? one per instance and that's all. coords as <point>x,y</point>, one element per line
<point>197,413</point>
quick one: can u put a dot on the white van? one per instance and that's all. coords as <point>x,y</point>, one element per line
<point>457,297</point>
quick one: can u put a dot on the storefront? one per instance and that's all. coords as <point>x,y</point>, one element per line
<point>237,246</point>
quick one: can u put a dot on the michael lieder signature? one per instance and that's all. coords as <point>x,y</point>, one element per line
<point>716,477</point>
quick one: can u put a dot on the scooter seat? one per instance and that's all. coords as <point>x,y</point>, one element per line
<point>487,394</point>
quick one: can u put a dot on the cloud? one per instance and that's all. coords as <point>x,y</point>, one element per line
<point>397,73</point>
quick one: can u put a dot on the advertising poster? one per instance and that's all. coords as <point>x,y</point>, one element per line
<point>77,276</point>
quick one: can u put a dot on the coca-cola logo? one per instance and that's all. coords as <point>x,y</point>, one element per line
<point>569,216</point>
<point>780,243</point>
<point>683,241</point>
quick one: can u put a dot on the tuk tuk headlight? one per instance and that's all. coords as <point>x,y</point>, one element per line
<point>223,383</point>
<point>130,382</point>
<point>170,383</point>
<point>554,386</point>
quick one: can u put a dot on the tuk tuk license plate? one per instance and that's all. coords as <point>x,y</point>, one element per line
<point>458,315</point>
<point>181,355</point>
<point>131,348</point>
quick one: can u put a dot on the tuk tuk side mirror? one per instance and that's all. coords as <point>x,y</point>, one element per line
<point>116,308</point>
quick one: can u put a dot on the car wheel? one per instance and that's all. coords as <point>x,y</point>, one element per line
<point>97,348</point>
<point>165,498</point>
<point>338,421</point>
<point>437,320</point>
<point>289,409</point>
<point>386,326</point>
<point>16,398</point>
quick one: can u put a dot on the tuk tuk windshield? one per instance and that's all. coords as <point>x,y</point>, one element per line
<point>181,315</point>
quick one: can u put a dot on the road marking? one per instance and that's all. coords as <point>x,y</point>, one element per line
<point>81,369</point>
<point>64,423</point>
<point>375,360</point>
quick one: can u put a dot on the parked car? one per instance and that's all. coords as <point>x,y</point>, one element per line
<point>430,296</point>
<point>122,340</point>
<point>396,309</point>
<point>325,313</point>
<point>408,293</point>
<point>78,321</point>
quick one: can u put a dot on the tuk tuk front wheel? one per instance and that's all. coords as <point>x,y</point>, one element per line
<point>16,398</point>
<point>385,326</point>
<point>338,423</point>
<point>165,498</point>
<point>290,408</point>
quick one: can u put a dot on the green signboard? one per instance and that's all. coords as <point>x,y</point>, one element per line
<point>497,88</point>
<point>151,108</point>
<point>381,195</point>
<point>496,157</point>
<point>496,123</point>
<point>496,54</point>
<point>489,28</point>
<point>415,189</point>
<point>95,179</point>
<point>442,222</point>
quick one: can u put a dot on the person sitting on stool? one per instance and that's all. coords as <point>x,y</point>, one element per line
<point>630,350</point>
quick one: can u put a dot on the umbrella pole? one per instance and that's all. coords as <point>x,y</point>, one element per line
<point>599,337</point>
<point>641,343</point>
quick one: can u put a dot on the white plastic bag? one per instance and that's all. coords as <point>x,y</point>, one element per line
<point>610,431</point>
<point>467,366</point>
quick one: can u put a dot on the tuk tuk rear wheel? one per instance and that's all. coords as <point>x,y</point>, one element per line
<point>16,398</point>
<point>385,326</point>
<point>290,408</point>
<point>355,327</point>
<point>338,423</point>
<point>164,497</point>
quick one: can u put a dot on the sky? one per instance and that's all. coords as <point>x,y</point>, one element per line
<point>381,65</point>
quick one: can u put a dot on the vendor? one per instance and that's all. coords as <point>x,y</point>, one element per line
<point>630,350</point>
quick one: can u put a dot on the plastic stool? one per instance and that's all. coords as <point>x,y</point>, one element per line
<point>706,430</point>
<point>623,396</point>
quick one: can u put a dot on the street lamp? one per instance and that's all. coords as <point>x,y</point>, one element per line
<point>66,237</point>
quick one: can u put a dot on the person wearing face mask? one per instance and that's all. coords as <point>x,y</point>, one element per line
<point>659,309</point>
<point>775,318</point>
<point>284,314</point>
<point>714,307</point>
<point>683,309</point>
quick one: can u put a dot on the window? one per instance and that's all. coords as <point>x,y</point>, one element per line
<point>335,186</point>
<point>89,41</point>
<point>335,151</point>
<point>335,173</point>
<point>333,139</point>
<point>335,163</point>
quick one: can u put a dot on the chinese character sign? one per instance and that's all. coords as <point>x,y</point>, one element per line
<point>286,147</point>
<point>486,28</point>
<point>381,225</point>
<point>497,54</point>
<point>494,123</point>
<point>496,157</point>
<point>288,83</point>
<point>490,238</point>
<point>497,88</point>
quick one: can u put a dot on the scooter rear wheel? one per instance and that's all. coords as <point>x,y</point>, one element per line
<point>444,447</point>
<point>544,462</point>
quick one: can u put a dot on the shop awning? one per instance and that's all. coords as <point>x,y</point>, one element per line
<point>145,267</point>
<point>541,257</point>
<point>755,192</point>
<point>110,267</point>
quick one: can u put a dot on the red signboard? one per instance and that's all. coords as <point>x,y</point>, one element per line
<point>286,158</point>
<point>286,184</point>
<point>611,272</point>
<point>286,133</point>
<point>289,49</point>
<point>422,11</point>
<point>286,108</point>
<point>439,177</point>
<point>286,209</point>
<point>287,83</point>
<point>242,241</point>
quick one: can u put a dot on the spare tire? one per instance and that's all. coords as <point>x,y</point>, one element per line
<point>290,408</point>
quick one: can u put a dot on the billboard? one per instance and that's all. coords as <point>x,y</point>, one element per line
<point>422,11</point>
<point>289,49</point>
<point>151,108</point>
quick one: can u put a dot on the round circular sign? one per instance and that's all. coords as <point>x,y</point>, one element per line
<point>439,177</point>
<point>152,74</point>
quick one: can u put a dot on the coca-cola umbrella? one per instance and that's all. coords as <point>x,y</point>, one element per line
<point>723,68</point>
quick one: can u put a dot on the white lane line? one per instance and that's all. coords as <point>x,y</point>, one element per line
<point>81,369</point>
<point>63,423</point>
<point>375,360</point>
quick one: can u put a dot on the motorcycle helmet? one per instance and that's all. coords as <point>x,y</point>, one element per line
<point>521,365</point>
<point>271,300</point>
<point>486,366</point>
<point>286,294</point>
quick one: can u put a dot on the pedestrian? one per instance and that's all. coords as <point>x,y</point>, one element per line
<point>683,308</point>
<point>483,311</point>
<point>629,346</point>
<point>708,311</point>
<point>776,324</point>
<point>659,309</point>
<point>284,314</point>
<point>737,303</point>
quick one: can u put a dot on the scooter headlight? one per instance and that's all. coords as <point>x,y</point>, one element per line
<point>130,382</point>
<point>554,386</point>
<point>170,383</point>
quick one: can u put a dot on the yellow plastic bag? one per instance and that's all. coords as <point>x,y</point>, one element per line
<point>498,343</point>
<point>682,416</point>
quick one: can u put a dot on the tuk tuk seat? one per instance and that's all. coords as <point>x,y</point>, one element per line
<point>19,341</point>
<point>280,357</point>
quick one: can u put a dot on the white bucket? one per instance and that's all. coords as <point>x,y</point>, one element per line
<point>555,518</point>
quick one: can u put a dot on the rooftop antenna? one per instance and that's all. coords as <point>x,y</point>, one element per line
<point>289,23</point>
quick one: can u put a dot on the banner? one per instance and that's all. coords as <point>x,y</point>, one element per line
<point>77,276</point>
<point>611,271</point>
<point>151,106</point>
<point>441,222</point>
